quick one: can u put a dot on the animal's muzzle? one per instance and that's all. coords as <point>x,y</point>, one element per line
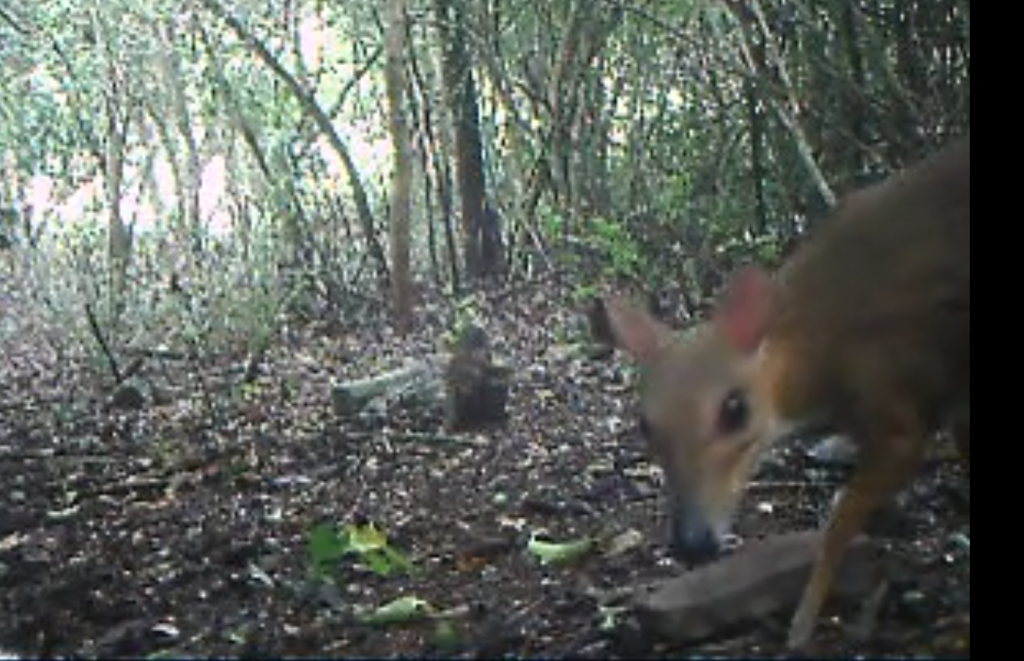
<point>693,540</point>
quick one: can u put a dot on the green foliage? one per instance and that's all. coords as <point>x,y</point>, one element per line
<point>466,313</point>
<point>399,611</point>
<point>216,299</point>
<point>585,292</point>
<point>611,240</point>
<point>552,224</point>
<point>559,553</point>
<point>446,636</point>
<point>602,246</point>
<point>673,154</point>
<point>327,545</point>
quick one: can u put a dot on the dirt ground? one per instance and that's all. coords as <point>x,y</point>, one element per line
<point>182,527</point>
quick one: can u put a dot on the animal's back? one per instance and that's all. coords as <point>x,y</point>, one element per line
<point>875,311</point>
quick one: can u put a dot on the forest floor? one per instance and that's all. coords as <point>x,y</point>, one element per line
<point>198,522</point>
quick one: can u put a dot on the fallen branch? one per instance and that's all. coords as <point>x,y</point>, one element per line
<point>762,577</point>
<point>421,380</point>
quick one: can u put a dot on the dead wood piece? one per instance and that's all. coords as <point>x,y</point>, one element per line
<point>762,577</point>
<point>420,380</point>
<point>479,403</point>
<point>476,389</point>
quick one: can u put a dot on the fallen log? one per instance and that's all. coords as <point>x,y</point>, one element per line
<point>421,381</point>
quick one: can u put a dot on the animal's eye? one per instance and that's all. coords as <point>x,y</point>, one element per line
<point>734,413</point>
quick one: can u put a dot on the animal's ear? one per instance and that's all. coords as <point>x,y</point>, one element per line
<point>745,306</point>
<point>634,329</point>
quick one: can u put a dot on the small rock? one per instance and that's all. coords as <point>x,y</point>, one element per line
<point>127,397</point>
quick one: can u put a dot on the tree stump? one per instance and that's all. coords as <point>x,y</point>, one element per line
<point>476,390</point>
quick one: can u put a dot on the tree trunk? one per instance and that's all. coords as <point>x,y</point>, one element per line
<point>757,161</point>
<point>912,79</point>
<point>119,237</point>
<point>177,109</point>
<point>401,182</point>
<point>856,89</point>
<point>480,233</point>
<point>434,150</point>
<point>117,101</point>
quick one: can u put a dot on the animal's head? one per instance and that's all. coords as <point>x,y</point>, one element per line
<point>703,411</point>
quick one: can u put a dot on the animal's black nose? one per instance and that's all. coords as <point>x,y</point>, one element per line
<point>694,545</point>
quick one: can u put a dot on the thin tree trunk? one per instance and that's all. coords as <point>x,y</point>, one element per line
<point>437,179</point>
<point>479,229</point>
<point>757,170</point>
<point>856,87</point>
<point>401,182</point>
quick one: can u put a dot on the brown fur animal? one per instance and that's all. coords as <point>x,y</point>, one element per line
<point>867,326</point>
